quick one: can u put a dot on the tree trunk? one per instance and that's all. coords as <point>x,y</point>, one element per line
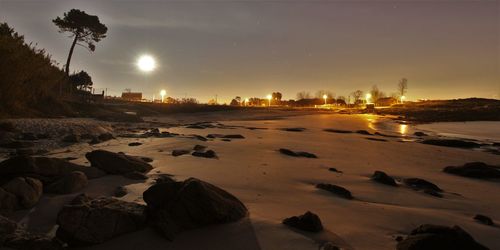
<point>70,54</point>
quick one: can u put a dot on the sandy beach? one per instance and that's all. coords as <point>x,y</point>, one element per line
<point>274,186</point>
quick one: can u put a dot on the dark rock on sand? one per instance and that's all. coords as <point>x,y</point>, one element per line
<point>309,222</point>
<point>179,152</point>
<point>115,163</point>
<point>120,192</point>
<point>162,178</point>
<point>479,170</point>
<point>293,129</point>
<point>105,137</point>
<point>90,221</point>
<point>199,147</point>
<point>375,139</point>
<point>8,202</point>
<point>70,183</point>
<point>420,134</point>
<point>27,190</point>
<point>146,159</point>
<point>199,137</point>
<point>134,144</point>
<point>339,131</point>
<point>451,143</point>
<point>337,190</point>
<point>178,206</point>
<point>421,184</point>
<point>363,132</point>
<point>44,168</point>
<point>382,177</point>
<point>484,219</point>
<point>206,154</point>
<point>135,175</point>
<point>24,240</point>
<point>71,138</point>
<point>335,170</point>
<point>435,237</point>
<point>296,153</point>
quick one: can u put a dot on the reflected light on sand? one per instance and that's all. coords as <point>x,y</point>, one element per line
<point>371,119</point>
<point>403,128</point>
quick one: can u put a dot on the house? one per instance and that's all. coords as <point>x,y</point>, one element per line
<point>132,96</point>
<point>386,101</point>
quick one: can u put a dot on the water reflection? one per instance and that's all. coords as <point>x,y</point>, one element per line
<point>403,128</point>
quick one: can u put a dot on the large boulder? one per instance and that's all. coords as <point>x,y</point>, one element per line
<point>478,170</point>
<point>307,222</point>
<point>117,163</point>
<point>43,168</point>
<point>382,177</point>
<point>176,206</point>
<point>70,183</point>
<point>435,237</point>
<point>88,221</point>
<point>8,202</point>
<point>27,190</point>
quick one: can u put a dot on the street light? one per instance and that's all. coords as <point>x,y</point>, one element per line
<point>246,101</point>
<point>403,98</point>
<point>368,97</point>
<point>162,94</point>
<point>325,97</point>
<point>269,97</point>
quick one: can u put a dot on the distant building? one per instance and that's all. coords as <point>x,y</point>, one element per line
<point>132,96</point>
<point>386,101</point>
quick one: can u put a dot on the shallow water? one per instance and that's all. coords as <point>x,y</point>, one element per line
<point>488,131</point>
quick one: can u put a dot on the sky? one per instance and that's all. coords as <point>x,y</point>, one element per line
<point>250,48</point>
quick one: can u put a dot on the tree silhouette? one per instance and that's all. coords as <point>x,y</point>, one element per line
<point>402,86</point>
<point>357,96</point>
<point>85,30</point>
<point>81,80</point>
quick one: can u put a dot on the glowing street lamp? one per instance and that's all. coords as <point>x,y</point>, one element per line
<point>403,98</point>
<point>368,97</point>
<point>325,97</point>
<point>246,101</point>
<point>269,97</point>
<point>162,94</point>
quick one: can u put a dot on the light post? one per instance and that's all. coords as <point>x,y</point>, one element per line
<point>368,97</point>
<point>325,97</point>
<point>162,94</point>
<point>269,97</point>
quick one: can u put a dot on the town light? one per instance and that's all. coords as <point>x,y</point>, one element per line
<point>162,94</point>
<point>246,101</point>
<point>325,97</point>
<point>403,98</point>
<point>368,97</point>
<point>269,97</point>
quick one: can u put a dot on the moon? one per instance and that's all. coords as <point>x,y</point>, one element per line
<point>146,63</point>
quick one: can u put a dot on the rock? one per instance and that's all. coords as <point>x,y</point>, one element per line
<point>179,152</point>
<point>44,168</point>
<point>87,137</point>
<point>335,170</point>
<point>24,240</point>
<point>71,138</point>
<point>433,193</point>
<point>8,202</point>
<point>199,137</point>
<point>94,140</point>
<point>451,143</point>
<point>120,192</point>
<point>477,170</point>
<point>293,129</point>
<point>134,144</point>
<point>338,190</point>
<point>199,148</point>
<point>162,178</point>
<point>91,221</point>
<point>146,159</point>
<point>235,136</point>
<point>6,227</point>
<point>72,182</point>
<point>296,154</point>
<point>375,139</point>
<point>484,219</point>
<point>383,178</point>
<point>363,132</point>
<point>421,184</point>
<point>206,154</point>
<point>339,131</point>
<point>27,190</point>
<point>178,206</point>
<point>430,237</point>
<point>420,134</point>
<point>309,222</point>
<point>105,137</point>
<point>135,175</point>
<point>329,246</point>
<point>114,163</point>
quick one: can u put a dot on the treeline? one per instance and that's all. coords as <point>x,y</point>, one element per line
<point>30,81</point>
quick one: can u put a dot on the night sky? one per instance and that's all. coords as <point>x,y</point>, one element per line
<point>446,49</point>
